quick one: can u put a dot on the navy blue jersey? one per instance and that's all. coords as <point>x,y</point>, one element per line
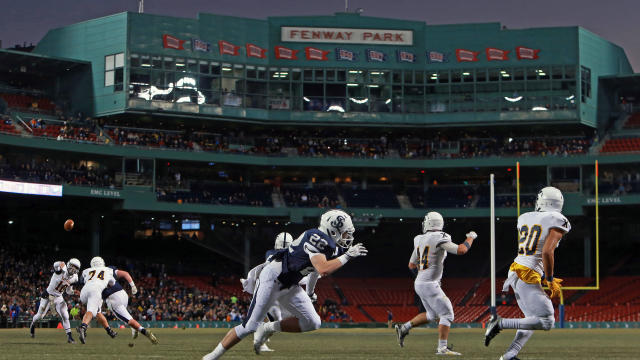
<point>269,253</point>
<point>296,262</point>
<point>114,288</point>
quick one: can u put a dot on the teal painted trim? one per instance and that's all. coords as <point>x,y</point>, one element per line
<point>169,154</point>
<point>361,325</point>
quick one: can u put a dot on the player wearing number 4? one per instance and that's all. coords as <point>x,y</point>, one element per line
<point>63,277</point>
<point>322,251</point>
<point>429,251</point>
<point>540,233</point>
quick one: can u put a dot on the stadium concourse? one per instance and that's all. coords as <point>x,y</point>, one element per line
<point>180,147</point>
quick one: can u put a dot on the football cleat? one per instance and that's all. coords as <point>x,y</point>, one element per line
<point>504,358</point>
<point>70,339</point>
<point>82,333</point>
<point>265,348</point>
<point>112,333</point>
<point>260,337</point>
<point>400,333</point>
<point>32,330</point>
<point>447,351</point>
<point>493,329</point>
<point>134,333</point>
<point>151,337</point>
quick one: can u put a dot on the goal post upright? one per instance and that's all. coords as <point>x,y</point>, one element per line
<point>493,244</point>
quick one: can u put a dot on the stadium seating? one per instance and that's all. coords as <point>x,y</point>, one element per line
<point>633,122</point>
<point>372,197</point>
<point>29,103</point>
<point>622,144</point>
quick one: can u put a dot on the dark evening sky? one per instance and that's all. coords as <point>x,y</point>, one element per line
<point>616,20</point>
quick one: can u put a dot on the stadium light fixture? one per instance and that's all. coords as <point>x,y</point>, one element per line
<point>10,222</point>
<point>570,97</point>
<point>539,108</point>
<point>352,85</point>
<point>466,73</point>
<point>337,108</point>
<point>306,99</point>
<point>359,101</point>
<point>224,68</point>
<point>388,101</point>
<point>513,99</point>
<point>376,73</point>
<point>373,85</point>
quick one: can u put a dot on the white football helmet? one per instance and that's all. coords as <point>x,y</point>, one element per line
<point>338,225</point>
<point>549,199</point>
<point>97,262</point>
<point>73,266</point>
<point>432,221</point>
<point>283,240</point>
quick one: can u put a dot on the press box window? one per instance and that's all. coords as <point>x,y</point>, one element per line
<point>585,81</point>
<point>114,71</point>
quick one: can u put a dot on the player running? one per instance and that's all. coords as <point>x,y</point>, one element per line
<point>283,240</point>
<point>540,233</point>
<point>314,250</point>
<point>95,279</point>
<point>63,277</point>
<point>429,251</point>
<point>117,301</point>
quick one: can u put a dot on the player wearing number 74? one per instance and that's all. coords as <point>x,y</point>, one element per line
<point>315,252</point>
<point>540,233</point>
<point>429,251</point>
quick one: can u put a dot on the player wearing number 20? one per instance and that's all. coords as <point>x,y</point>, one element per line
<point>540,233</point>
<point>318,251</point>
<point>64,275</point>
<point>429,251</point>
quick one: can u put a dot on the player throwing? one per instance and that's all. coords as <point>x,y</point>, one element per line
<point>314,250</point>
<point>117,301</point>
<point>429,251</point>
<point>63,277</point>
<point>96,279</point>
<point>540,233</point>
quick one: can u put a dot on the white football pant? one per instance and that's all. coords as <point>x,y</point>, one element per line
<point>435,301</point>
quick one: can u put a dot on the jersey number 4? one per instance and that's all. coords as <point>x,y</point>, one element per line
<point>528,242</point>
<point>92,273</point>
<point>424,259</point>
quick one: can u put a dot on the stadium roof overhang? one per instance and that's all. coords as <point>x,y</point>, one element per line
<point>12,61</point>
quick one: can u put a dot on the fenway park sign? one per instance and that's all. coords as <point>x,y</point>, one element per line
<point>346,35</point>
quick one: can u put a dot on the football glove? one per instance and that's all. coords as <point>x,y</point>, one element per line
<point>134,289</point>
<point>313,297</point>
<point>356,250</point>
<point>472,235</point>
<point>554,287</point>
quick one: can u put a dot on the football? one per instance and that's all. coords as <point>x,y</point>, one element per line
<point>68,225</point>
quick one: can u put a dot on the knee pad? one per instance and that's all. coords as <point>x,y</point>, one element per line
<point>446,319</point>
<point>310,324</point>
<point>243,330</point>
<point>547,322</point>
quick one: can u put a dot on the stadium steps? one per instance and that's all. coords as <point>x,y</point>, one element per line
<point>365,313</point>
<point>103,135</point>
<point>404,202</point>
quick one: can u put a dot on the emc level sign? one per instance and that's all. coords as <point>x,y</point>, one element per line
<point>346,35</point>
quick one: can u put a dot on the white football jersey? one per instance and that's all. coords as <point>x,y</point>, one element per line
<point>98,277</point>
<point>429,255</point>
<point>533,228</point>
<point>60,279</point>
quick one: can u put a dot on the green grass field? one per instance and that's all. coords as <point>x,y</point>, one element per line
<point>322,344</point>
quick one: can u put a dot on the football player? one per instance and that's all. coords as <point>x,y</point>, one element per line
<point>64,275</point>
<point>540,232</point>
<point>322,250</point>
<point>117,301</point>
<point>95,279</point>
<point>283,240</point>
<point>429,251</point>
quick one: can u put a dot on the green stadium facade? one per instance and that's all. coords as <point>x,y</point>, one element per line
<point>344,70</point>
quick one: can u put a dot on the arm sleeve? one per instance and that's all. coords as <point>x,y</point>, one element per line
<point>450,247</point>
<point>414,256</point>
<point>311,284</point>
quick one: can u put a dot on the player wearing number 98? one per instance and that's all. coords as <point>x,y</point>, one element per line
<point>96,279</point>
<point>540,233</point>
<point>322,251</point>
<point>429,251</point>
<point>64,275</point>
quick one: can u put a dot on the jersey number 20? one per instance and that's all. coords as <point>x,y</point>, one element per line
<point>528,242</point>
